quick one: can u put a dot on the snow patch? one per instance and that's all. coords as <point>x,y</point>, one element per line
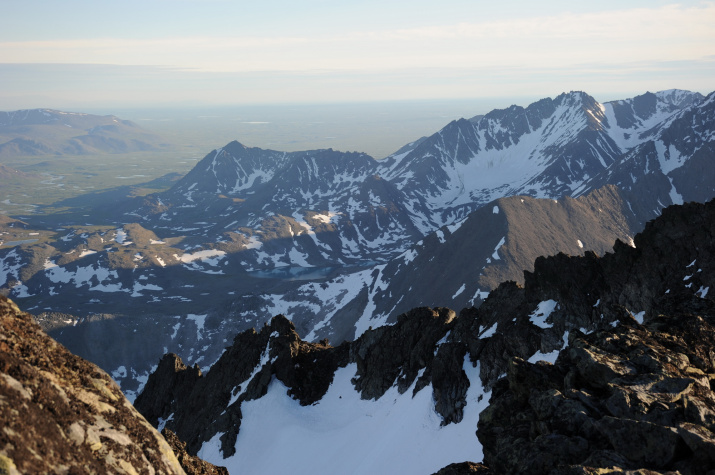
<point>459,291</point>
<point>489,332</point>
<point>538,317</point>
<point>199,321</point>
<point>495,256</point>
<point>639,316</point>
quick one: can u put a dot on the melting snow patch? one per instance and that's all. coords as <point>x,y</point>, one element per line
<point>49,264</point>
<point>495,210</point>
<point>453,227</point>
<point>440,236</point>
<point>702,292</point>
<point>501,243</point>
<point>538,317</point>
<point>199,320</point>
<point>121,236</point>
<point>639,317</point>
<point>327,218</point>
<point>254,243</point>
<point>409,255</point>
<point>176,330</point>
<point>162,422</point>
<point>87,252</point>
<point>120,372</point>
<point>580,244</point>
<point>552,355</point>
<point>489,332</point>
<point>298,258</point>
<point>136,290</point>
<point>675,197</point>
<point>461,289</point>
<point>480,294</point>
<point>210,256</point>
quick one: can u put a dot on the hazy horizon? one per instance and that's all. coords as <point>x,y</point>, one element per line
<point>207,53</point>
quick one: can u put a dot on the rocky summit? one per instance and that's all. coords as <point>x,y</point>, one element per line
<point>595,364</point>
<point>62,414</point>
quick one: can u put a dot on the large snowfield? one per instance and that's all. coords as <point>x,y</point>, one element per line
<point>345,434</point>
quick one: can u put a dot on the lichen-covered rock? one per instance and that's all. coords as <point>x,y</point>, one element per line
<point>61,414</point>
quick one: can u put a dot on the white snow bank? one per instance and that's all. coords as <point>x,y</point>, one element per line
<point>538,317</point>
<point>345,434</point>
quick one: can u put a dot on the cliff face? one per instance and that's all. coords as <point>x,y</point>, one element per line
<point>62,414</point>
<point>632,328</point>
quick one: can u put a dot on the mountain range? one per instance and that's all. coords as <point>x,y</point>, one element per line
<point>52,132</point>
<point>340,242</point>
<point>311,293</point>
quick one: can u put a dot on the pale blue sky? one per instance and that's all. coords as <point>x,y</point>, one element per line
<point>74,54</point>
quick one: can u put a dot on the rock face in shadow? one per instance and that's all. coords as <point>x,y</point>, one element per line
<point>632,328</point>
<point>61,414</point>
<point>635,397</point>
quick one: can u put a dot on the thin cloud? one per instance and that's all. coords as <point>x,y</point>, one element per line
<point>668,32</point>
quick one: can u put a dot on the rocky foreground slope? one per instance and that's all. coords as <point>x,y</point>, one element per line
<point>634,397</point>
<point>61,414</point>
<point>630,389</point>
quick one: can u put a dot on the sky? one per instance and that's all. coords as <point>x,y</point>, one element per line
<point>178,53</point>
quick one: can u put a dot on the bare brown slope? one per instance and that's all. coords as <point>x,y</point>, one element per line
<point>539,227</point>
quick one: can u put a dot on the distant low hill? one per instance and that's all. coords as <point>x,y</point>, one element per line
<point>52,132</point>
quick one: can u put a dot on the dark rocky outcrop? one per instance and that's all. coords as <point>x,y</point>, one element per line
<point>635,397</point>
<point>61,414</point>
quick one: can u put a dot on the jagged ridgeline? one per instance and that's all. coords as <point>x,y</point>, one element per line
<point>340,242</point>
<point>594,363</point>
